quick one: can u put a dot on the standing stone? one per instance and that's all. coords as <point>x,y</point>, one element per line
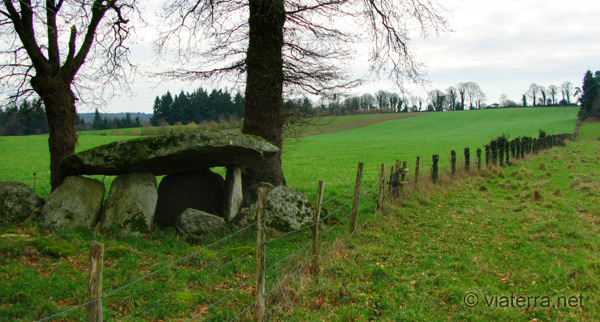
<point>130,205</point>
<point>74,204</point>
<point>201,190</point>
<point>285,210</point>
<point>196,221</point>
<point>17,202</point>
<point>233,193</point>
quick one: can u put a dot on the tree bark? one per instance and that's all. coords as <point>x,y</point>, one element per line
<point>263,110</point>
<point>59,101</point>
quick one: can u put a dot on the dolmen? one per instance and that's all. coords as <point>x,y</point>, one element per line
<point>135,202</point>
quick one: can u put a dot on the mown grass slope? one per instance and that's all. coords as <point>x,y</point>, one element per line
<point>334,157</point>
<point>514,244</point>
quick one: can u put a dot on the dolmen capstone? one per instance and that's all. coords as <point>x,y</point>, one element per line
<point>135,202</point>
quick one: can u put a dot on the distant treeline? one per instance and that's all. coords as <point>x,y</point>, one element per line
<point>198,106</point>
<point>103,123</point>
<point>27,119</point>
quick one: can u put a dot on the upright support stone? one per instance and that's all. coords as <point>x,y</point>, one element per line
<point>381,187</point>
<point>478,158</point>
<point>417,166</point>
<point>355,203</point>
<point>233,193</point>
<point>94,308</point>
<point>453,161</point>
<point>259,306</point>
<point>434,168</point>
<point>315,228</point>
<point>467,159</point>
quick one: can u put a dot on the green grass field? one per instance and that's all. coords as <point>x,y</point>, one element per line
<point>515,244</point>
<point>438,233</point>
<point>333,157</point>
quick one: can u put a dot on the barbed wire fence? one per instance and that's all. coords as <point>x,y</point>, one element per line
<point>252,299</point>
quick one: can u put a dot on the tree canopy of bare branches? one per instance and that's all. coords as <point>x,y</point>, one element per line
<point>44,45</point>
<point>292,45</point>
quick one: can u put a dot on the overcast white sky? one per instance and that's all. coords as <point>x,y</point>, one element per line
<point>503,45</point>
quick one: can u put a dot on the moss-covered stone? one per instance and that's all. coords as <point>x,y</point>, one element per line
<point>167,154</point>
<point>17,202</point>
<point>73,205</point>
<point>131,203</point>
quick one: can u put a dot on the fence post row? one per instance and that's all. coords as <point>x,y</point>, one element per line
<point>467,159</point>
<point>355,203</point>
<point>94,308</point>
<point>478,158</point>
<point>434,168</point>
<point>259,309</point>
<point>315,229</point>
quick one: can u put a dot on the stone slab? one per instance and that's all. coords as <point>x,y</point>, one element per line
<point>167,154</point>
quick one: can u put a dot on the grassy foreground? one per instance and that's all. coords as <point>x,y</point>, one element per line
<point>515,244</point>
<point>35,284</point>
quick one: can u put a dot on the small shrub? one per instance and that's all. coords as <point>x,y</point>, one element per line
<point>49,246</point>
<point>136,132</point>
<point>542,166</point>
<point>191,126</point>
<point>115,252</point>
<point>178,128</point>
<point>148,131</point>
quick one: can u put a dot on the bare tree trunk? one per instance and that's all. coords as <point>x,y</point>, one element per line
<point>263,114</point>
<point>59,101</point>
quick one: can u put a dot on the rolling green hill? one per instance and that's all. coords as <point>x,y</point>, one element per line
<point>333,157</point>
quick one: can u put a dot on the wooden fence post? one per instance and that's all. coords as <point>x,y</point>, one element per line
<point>315,228</point>
<point>381,187</point>
<point>467,159</point>
<point>355,203</point>
<point>453,161</point>
<point>259,310</point>
<point>487,156</point>
<point>403,174</point>
<point>478,158</point>
<point>94,309</point>
<point>434,168</point>
<point>417,166</point>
